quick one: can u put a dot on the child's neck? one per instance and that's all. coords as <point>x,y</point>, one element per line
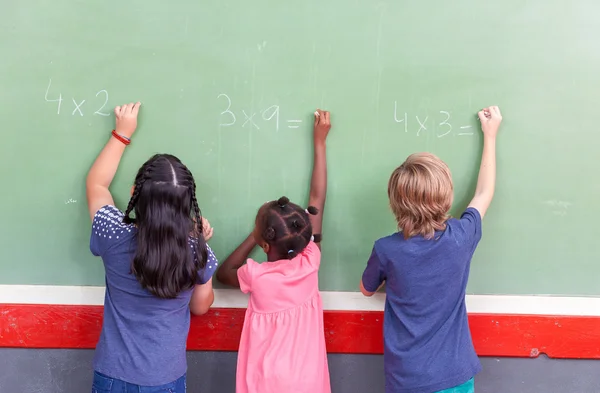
<point>271,257</point>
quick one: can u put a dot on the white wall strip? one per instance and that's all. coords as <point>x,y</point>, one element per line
<point>343,301</point>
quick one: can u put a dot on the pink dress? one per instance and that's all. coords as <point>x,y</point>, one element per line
<point>282,349</point>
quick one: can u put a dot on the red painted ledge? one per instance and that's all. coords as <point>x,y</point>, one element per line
<point>59,326</point>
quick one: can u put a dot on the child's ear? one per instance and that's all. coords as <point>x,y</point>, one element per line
<point>131,191</point>
<point>266,247</point>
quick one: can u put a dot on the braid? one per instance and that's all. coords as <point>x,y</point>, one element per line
<point>199,231</point>
<point>133,200</point>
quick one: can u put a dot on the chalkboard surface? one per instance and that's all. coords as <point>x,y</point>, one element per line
<point>230,88</point>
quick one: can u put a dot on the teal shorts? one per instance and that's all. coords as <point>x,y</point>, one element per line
<point>467,387</point>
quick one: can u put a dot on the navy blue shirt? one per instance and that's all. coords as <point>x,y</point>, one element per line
<point>143,339</point>
<point>426,333</point>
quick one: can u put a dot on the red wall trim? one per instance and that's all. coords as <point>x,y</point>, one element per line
<point>58,326</point>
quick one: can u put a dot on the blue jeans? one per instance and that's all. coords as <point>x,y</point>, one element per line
<point>104,384</point>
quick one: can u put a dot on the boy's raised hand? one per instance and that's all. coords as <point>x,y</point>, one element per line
<point>322,126</point>
<point>490,120</point>
<point>126,118</point>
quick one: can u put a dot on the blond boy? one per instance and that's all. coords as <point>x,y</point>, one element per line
<point>425,267</point>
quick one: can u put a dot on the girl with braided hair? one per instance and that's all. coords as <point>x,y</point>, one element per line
<point>158,267</point>
<point>282,348</point>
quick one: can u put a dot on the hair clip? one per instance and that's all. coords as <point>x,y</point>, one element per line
<point>290,252</point>
<point>306,211</point>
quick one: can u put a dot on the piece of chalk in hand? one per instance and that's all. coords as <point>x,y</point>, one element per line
<point>317,113</point>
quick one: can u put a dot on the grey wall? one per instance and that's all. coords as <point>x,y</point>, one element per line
<point>69,371</point>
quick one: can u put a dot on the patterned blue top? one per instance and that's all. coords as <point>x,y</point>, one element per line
<point>143,339</point>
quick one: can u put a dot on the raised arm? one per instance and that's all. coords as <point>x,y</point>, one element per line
<point>104,168</point>
<point>486,182</point>
<point>227,272</point>
<point>318,183</point>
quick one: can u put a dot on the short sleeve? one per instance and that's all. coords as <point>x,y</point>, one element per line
<point>204,275</point>
<point>312,252</point>
<point>374,275</point>
<point>471,223</point>
<point>107,229</point>
<point>245,273</point>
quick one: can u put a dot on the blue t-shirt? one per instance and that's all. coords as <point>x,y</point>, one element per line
<point>143,339</point>
<point>426,334</point>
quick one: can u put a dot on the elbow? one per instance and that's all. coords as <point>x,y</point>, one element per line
<point>200,310</point>
<point>227,277</point>
<point>364,291</point>
<point>367,293</point>
<point>221,276</point>
<point>203,308</point>
<point>317,199</point>
<point>89,184</point>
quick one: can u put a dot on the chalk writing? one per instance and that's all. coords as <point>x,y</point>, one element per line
<point>227,111</point>
<point>558,208</point>
<point>78,104</point>
<point>465,132</point>
<point>251,119</point>
<point>421,124</point>
<point>98,112</point>
<point>294,123</point>
<point>274,114</point>
<point>445,123</point>
<point>78,107</point>
<point>443,129</point>
<point>49,100</point>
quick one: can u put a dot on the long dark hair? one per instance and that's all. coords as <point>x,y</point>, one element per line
<point>166,260</point>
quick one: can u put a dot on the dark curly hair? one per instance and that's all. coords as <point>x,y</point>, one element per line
<point>285,226</point>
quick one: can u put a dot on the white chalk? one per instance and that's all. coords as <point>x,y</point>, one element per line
<point>317,113</point>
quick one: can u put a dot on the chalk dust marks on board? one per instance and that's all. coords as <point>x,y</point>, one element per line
<point>377,97</point>
<point>314,72</point>
<point>253,91</point>
<point>557,207</point>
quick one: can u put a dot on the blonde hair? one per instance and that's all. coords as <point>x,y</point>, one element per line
<point>421,192</point>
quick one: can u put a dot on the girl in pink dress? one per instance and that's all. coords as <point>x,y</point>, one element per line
<point>282,349</point>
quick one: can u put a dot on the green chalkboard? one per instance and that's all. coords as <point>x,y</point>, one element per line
<point>230,87</point>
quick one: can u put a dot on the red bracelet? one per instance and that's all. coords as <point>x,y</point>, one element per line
<point>123,139</point>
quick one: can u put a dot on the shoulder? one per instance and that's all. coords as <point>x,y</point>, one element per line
<point>467,228</point>
<point>310,256</point>
<point>472,215</point>
<point>312,250</point>
<point>469,218</point>
<point>108,229</point>
<point>388,241</point>
<point>111,217</point>
<point>246,274</point>
<point>250,267</point>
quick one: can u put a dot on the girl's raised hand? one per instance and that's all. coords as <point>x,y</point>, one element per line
<point>207,230</point>
<point>126,119</point>
<point>322,126</point>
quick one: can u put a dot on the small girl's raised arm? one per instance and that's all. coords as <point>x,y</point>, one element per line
<point>318,183</point>
<point>227,272</point>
